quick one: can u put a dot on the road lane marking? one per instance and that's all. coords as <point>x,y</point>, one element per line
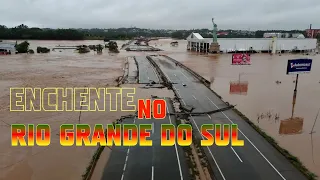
<point>207,146</point>
<point>167,77</point>
<point>236,154</point>
<point>124,167</point>
<point>155,72</point>
<point>179,95</point>
<point>194,97</point>
<point>209,116</point>
<point>183,102</point>
<point>249,141</point>
<point>148,78</point>
<point>174,74</point>
<point>175,145</point>
<point>125,163</point>
<point>152,175</point>
<point>209,150</point>
<point>184,75</point>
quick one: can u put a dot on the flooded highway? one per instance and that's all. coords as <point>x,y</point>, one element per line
<point>265,98</point>
<point>148,162</point>
<point>228,162</point>
<point>264,101</point>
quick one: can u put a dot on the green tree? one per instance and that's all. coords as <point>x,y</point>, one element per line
<point>22,47</point>
<point>177,35</point>
<point>99,48</point>
<point>113,47</point>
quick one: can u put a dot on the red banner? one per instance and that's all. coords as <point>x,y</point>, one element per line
<point>239,88</point>
<point>241,59</point>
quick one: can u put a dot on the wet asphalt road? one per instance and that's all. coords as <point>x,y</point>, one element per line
<point>147,72</point>
<point>256,160</point>
<point>147,163</point>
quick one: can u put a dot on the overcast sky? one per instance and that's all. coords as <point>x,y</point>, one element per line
<point>162,14</point>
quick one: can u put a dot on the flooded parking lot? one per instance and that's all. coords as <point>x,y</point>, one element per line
<point>264,101</point>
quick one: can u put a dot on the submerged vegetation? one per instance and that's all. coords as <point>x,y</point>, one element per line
<point>83,49</point>
<point>22,47</point>
<point>42,50</point>
<point>113,47</point>
<point>30,51</point>
<point>97,48</point>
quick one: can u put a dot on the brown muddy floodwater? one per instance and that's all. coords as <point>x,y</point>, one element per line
<point>70,69</point>
<point>64,68</point>
<point>264,97</point>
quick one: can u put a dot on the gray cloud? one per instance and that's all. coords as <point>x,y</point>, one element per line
<point>167,14</point>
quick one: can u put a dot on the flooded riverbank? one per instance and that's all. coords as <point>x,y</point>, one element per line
<point>55,69</point>
<point>262,99</point>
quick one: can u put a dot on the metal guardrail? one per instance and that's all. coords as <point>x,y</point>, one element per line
<point>158,69</point>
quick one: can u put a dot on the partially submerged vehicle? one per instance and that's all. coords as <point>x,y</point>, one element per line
<point>4,52</point>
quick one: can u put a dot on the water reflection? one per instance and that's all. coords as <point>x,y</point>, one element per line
<point>291,126</point>
<point>314,123</point>
<point>312,148</point>
<point>239,88</point>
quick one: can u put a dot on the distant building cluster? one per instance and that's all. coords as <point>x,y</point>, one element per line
<point>283,35</point>
<point>243,32</point>
<point>313,33</point>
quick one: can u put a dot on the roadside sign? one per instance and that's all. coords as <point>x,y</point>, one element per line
<point>299,66</point>
<point>241,59</point>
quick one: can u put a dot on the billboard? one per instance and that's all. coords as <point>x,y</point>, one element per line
<point>241,59</point>
<point>240,88</point>
<point>298,66</point>
<point>312,33</point>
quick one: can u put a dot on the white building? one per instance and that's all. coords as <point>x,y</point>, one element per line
<point>197,43</point>
<point>271,35</point>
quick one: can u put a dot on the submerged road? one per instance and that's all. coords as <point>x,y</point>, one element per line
<point>148,163</point>
<point>147,72</point>
<point>256,160</point>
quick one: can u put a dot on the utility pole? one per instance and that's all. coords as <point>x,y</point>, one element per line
<point>294,95</point>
